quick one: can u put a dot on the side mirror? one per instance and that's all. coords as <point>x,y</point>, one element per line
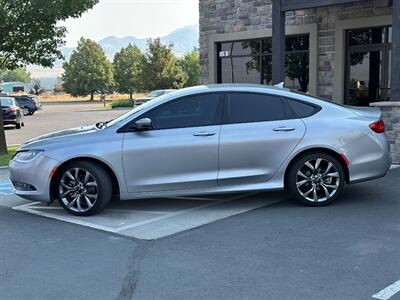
<point>143,124</point>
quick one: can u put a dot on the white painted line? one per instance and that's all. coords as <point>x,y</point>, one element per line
<point>388,292</point>
<point>170,215</point>
<point>393,167</point>
<point>67,219</point>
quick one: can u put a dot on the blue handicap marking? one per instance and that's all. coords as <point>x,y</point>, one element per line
<point>6,187</point>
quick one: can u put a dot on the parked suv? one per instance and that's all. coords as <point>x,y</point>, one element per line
<point>11,112</point>
<point>28,104</point>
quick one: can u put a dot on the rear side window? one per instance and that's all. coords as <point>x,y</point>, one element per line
<point>192,111</point>
<point>303,110</point>
<point>248,108</point>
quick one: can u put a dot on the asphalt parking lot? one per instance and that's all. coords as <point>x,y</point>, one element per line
<point>274,250</point>
<point>57,117</point>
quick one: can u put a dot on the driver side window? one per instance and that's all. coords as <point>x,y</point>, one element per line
<point>192,111</point>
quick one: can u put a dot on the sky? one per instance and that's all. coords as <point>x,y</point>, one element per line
<point>139,18</point>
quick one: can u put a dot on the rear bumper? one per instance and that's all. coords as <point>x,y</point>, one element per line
<point>36,174</point>
<point>369,158</point>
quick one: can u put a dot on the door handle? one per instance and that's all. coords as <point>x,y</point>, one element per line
<point>284,128</point>
<point>204,133</point>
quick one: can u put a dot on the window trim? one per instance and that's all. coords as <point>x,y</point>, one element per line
<point>226,105</point>
<point>317,108</point>
<point>220,108</point>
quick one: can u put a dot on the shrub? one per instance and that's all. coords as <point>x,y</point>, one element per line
<point>122,103</point>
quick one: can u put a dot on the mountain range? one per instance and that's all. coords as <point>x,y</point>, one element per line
<point>183,40</point>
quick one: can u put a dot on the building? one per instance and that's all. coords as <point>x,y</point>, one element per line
<point>15,87</point>
<point>344,50</point>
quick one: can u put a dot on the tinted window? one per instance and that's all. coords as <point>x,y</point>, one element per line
<point>247,108</point>
<point>302,109</point>
<point>193,111</point>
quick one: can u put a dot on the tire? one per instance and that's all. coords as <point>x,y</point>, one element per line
<point>314,187</point>
<point>32,113</point>
<point>26,111</point>
<point>73,195</point>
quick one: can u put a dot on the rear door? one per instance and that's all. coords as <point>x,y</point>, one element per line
<point>259,132</point>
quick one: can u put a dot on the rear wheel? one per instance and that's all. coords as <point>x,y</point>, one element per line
<point>316,179</point>
<point>83,188</point>
<point>26,111</point>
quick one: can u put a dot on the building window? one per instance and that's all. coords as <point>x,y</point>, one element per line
<point>250,61</point>
<point>368,64</point>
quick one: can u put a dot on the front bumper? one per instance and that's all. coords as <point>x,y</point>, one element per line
<point>35,173</point>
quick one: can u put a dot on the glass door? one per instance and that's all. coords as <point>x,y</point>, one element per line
<point>367,66</point>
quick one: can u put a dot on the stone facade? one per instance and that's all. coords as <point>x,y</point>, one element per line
<point>391,117</point>
<point>227,16</point>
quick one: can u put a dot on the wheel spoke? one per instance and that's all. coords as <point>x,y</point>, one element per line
<point>330,165</point>
<point>77,175</point>
<point>69,175</point>
<point>72,203</point>
<point>327,194</point>
<point>315,195</point>
<point>301,183</point>
<point>336,175</point>
<point>317,163</point>
<point>70,188</point>
<point>330,186</point>
<point>92,196</point>
<point>310,166</point>
<point>300,173</point>
<point>89,204</point>
<point>308,192</point>
<point>93,183</point>
<point>78,203</point>
<point>86,179</point>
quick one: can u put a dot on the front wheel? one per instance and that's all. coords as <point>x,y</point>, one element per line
<point>83,188</point>
<point>316,179</point>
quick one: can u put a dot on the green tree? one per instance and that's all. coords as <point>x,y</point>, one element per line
<point>30,33</point>
<point>19,74</point>
<point>160,68</point>
<point>127,66</point>
<point>190,65</point>
<point>88,70</point>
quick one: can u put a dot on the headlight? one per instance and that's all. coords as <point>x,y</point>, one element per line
<point>25,156</point>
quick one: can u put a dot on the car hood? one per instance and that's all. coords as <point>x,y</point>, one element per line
<point>58,136</point>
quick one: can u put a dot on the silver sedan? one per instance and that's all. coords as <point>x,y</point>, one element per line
<point>205,140</point>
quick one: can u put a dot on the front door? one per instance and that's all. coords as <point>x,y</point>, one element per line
<point>256,138</point>
<point>368,65</point>
<point>181,151</point>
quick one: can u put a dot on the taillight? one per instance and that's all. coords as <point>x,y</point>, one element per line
<point>378,127</point>
<point>35,102</point>
<point>11,110</point>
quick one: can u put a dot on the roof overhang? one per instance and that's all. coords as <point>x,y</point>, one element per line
<point>304,4</point>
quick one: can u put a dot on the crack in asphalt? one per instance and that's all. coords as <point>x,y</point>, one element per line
<point>132,277</point>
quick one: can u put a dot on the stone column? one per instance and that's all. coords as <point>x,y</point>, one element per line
<point>391,117</point>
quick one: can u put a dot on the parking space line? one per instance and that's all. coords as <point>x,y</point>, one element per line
<point>68,219</point>
<point>388,292</point>
<point>393,167</point>
<point>169,215</point>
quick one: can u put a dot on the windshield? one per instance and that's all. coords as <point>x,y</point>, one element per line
<point>156,93</point>
<point>7,102</point>
<point>137,109</point>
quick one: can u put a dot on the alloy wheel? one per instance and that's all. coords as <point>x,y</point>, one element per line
<point>317,180</point>
<point>78,190</point>
<point>25,111</point>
